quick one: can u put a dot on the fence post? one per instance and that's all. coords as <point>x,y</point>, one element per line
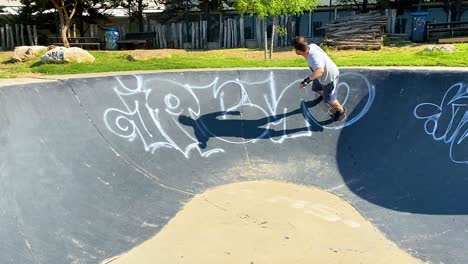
<point>226,33</point>
<point>2,35</point>
<point>229,33</point>
<point>164,29</point>
<point>174,35</point>
<point>158,41</point>
<point>241,31</point>
<point>35,34</point>
<point>12,38</point>
<point>258,30</point>
<point>28,27</point>
<point>220,39</point>
<point>22,34</point>
<point>234,33</point>
<point>17,34</point>
<point>7,33</point>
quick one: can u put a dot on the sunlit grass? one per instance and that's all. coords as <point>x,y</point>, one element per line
<point>236,58</point>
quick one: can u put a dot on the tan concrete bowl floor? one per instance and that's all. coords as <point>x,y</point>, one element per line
<point>266,222</point>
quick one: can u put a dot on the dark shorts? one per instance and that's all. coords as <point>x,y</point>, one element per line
<point>330,92</point>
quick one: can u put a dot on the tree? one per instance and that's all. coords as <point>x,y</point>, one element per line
<point>273,8</point>
<point>26,11</point>
<point>91,11</point>
<point>455,8</point>
<point>361,5</point>
<point>399,5</point>
<point>135,10</point>
<point>69,11</point>
<point>66,9</point>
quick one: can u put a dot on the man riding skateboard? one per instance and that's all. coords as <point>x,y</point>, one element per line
<point>324,77</point>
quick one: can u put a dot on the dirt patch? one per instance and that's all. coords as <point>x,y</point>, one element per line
<point>250,54</point>
<point>151,54</point>
<point>257,54</point>
<point>266,222</point>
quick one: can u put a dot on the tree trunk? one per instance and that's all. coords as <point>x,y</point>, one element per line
<point>364,6</point>
<point>63,29</point>
<point>458,10</point>
<point>272,36</point>
<point>140,16</point>
<point>454,10</point>
<point>65,18</point>
<point>80,20</point>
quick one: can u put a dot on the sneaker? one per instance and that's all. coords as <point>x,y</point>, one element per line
<point>339,116</point>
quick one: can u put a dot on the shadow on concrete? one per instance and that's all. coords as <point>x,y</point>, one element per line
<point>388,159</point>
<point>211,125</point>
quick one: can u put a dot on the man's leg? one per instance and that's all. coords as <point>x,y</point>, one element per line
<point>330,94</point>
<point>336,105</point>
<point>317,87</point>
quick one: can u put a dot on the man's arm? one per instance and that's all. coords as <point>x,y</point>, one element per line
<point>315,74</point>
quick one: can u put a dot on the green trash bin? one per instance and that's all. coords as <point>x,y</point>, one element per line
<point>111,36</point>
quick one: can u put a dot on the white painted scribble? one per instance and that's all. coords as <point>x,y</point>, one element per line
<point>419,23</point>
<point>448,122</point>
<point>155,106</point>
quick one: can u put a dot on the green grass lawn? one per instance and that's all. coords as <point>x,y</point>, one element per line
<point>404,57</point>
<point>238,58</point>
<point>108,62</point>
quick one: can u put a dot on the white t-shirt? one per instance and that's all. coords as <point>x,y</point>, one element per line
<point>318,58</point>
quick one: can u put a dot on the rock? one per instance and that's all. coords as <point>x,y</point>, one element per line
<point>148,55</point>
<point>66,55</point>
<point>26,53</point>
<point>443,48</point>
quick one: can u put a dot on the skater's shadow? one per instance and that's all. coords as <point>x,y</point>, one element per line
<point>211,125</point>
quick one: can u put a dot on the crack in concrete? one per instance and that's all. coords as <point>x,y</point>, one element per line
<point>118,154</point>
<point>26,241</point>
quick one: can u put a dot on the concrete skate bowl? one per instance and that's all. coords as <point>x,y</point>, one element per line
<point>411,152</point>
<point>92,167</point>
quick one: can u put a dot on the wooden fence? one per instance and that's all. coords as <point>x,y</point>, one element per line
<point>194,35</point>
<point>12,36</point>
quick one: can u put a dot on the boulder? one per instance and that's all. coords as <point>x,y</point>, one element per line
<point>443,48</point>
<point>67,55</point>
<point>26,53</point>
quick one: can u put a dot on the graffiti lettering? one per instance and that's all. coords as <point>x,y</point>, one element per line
<point>448,122</point>
<point>150,113</point>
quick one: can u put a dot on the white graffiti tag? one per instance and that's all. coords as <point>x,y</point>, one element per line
<point>164,113</point>
<point>419,24</point>
<point>448,122</point>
